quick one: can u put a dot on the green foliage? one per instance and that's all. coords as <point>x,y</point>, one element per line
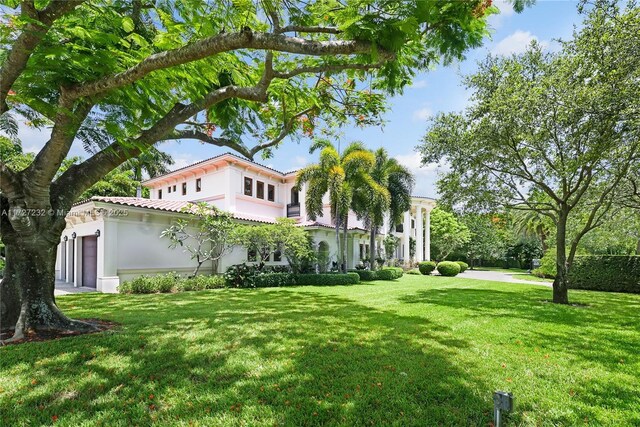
<point>426,267</point>
<point>486,238</point>
<point>206,235</point>
<point>606,273</point>
<point>547,267</point>
<point>170,282</point>
<point>274,280</point>
<point>448,268</point>
<point>414,272</point>
<point>389,273</point>
<point>241,275</point>
<point>447,233</point>
<point>390,244</point>
<point>328,279</point>
<point>463,266</point>
<point>366,275</point>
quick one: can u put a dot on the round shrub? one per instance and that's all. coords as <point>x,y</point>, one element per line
<point>448,268</point>
<point>426,267</point>
<point>389,273</point>
<point>414,272</point>
<point>463,266</point>
<point>366,275</point>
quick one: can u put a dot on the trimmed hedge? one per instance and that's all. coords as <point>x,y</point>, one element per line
<point>170,282</point>
<point>389,273</point>
<point>327,279</point>
<point>366,275</point>
<point>414,272</point>
<point>606,273</point>
<point>463,266</point>
<point>448,268</point>
<point>274,280</point>
<point>426,267</point>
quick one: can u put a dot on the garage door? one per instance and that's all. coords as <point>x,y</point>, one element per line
<point>89,261</point>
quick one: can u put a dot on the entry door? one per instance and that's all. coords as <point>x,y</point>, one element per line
<point>89,261</point>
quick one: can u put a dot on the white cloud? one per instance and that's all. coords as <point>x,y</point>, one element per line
<point>506,10</point>
<point>413,161</point>
<point>426,176</point>
<point>517,42</point>
<point>183,160</point>
<point>419,84</point>
<point>423,114</point>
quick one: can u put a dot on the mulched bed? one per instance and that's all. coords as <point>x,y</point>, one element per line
<point>102,325</point>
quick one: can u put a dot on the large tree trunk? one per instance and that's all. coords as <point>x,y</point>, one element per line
<point>561,282</point>
<point>372,247</point>
<point>32,269</point>
<point>9,297</point>
<point>344,247</point>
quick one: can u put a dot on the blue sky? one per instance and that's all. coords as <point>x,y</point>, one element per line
<point>432,92</point>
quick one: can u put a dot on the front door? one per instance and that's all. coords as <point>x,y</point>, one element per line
<point>89,261</point>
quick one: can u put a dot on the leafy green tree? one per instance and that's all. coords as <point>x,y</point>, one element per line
<point>390,244</point>
<point>386,191</point>
<point>151,162</point>
<point>447,233</point>
<point>485,240</point>
<point>338,175</point>
<point>207,234</point>
<point>559,124</point>
<point>294,242</point>
<point>123,76</point>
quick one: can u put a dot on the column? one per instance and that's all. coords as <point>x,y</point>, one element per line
<point>427,236</point>
<point>419,235</point>
<point>406,230</point>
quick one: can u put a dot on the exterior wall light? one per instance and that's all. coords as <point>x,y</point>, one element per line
<point>97,233</point>
<point>73,235</point>
<point>65,238</point>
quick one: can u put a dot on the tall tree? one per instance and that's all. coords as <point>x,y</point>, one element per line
<point>560,124</point>
<point>338,175</point>
<point>121,78</point>
<point>447,233</point>
<point>151,162</point>
<point>385,193</point>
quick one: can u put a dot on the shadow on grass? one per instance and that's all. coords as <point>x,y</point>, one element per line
<point>239,357</point>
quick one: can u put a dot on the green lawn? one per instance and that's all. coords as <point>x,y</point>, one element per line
<point>517,273</point>
<point>420,351</point>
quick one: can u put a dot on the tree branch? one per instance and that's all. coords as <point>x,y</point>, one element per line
<point>28,40</point>
<point>245,39</point>
<point>8,182</point>
<point>324,69</point>
<point>303,29</point>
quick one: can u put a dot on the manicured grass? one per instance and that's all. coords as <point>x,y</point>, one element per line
<point>420,351</point>
<point>531,278</point>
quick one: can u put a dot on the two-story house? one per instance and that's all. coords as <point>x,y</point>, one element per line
<point>112,239</point>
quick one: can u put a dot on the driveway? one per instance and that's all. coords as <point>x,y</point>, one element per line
<point>64,288</point>
<point>499,276</point>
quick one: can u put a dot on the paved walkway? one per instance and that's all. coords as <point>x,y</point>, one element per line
<point>64,288</point>
<point>499,276</point>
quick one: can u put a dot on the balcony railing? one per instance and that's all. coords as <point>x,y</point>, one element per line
<point>293,209</point>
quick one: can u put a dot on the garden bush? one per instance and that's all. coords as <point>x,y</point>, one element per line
<point>606,273</point>
<point>547,267</point>
<point>170,282</point>
<point>366,275</point>
<point>327,279</point>
<point>448,268</point>
<point>274,280</point>
<point>463,266</point>
<point>414,272</point>
<point>426,267</point>
<point>241,275</point>
<point>389,273</point>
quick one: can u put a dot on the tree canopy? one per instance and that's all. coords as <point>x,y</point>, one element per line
<point>555,133</point>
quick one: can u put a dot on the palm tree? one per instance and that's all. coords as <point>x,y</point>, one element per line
<point>336,174</point>
<point>532,223</point>
<point>153,162</point>
<point>387,191</point>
